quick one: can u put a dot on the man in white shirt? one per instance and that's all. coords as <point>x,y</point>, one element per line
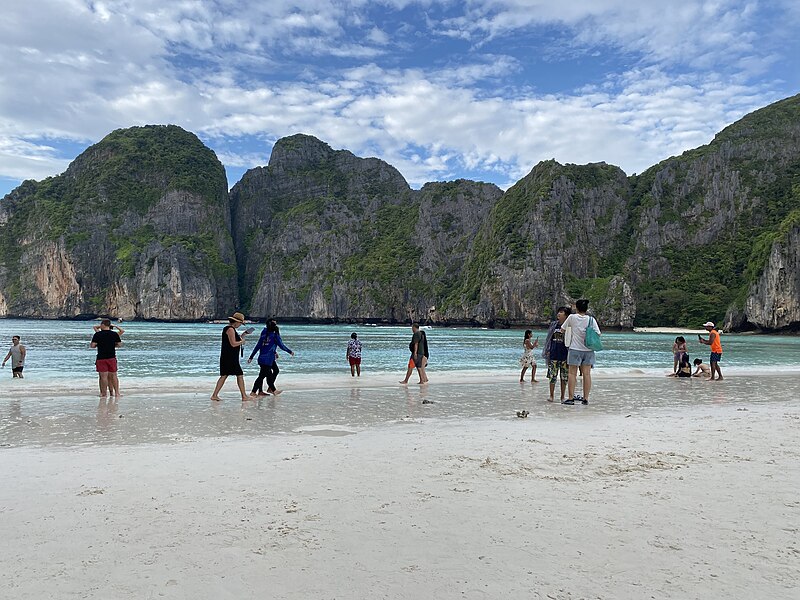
<point>579,356</point>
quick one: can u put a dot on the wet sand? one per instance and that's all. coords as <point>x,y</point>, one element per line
<point>686,501</point>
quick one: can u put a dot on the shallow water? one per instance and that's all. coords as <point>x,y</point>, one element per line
<point>59,350</point>
<point>168,372</point>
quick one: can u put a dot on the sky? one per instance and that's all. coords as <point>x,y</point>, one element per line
<point>481,89</point>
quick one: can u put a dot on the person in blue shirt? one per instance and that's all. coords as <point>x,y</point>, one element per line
<point>267,347</point>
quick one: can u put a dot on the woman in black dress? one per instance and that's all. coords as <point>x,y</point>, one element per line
<point>229,355</point>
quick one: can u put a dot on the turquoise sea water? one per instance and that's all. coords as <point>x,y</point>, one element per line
<point>168,372</point>
<point>59,350</point>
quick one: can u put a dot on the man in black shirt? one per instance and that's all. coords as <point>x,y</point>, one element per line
<point>555,353</point>
<point>106,340</point>
<point>419,354</point>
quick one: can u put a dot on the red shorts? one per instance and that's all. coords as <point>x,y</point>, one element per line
<point>106,365</point>
<point>354,361</point>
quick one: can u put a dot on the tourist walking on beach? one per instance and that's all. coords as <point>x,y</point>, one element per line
<point>267,347</point>
<point>354,354</point>
<point>716,349</point>
<point>229,355</point>
<point>419,354</point>
<point>678,350</point>
<point>106,340</point>
<point>528,359</point>
<point>579,356</point>
<point>17,355</point>
<point>555,353</point>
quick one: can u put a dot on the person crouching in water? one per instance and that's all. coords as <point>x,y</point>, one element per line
<point>267,347</point>
<point>229,355</point>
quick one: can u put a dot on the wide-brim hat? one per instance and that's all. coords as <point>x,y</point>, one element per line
<point>706,324</point>
<point>237,316</point>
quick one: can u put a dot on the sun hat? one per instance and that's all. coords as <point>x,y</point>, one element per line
<point>237,316</point>
<point>706,324</point>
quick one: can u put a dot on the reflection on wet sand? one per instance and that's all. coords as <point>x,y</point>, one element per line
<point>64,420</point>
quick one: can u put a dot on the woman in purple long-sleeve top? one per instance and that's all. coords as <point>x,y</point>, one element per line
<point>267,347</point>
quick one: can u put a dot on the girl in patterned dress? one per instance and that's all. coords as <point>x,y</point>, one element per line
<point>528,359</point>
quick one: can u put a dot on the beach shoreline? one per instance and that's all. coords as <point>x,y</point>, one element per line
<point>664,503</point>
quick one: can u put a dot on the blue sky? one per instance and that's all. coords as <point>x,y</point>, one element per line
<point>482,89</point>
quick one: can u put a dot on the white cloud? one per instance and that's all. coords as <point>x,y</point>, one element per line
<point>22,159</point>
<point>83,69</point>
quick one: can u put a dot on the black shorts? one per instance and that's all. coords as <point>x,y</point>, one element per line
<point>17,369</point>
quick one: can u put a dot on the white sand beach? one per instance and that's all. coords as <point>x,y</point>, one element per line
<point>696,502</point>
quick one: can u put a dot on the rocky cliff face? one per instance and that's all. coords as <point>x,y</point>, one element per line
<point>544,243</point>
<point>323,234</point>
<point>704,222</point>
<point>141,226</point>
<point>137,227</point>
<point>773,301</point>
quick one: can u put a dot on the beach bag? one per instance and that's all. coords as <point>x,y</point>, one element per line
<point>593,341</point>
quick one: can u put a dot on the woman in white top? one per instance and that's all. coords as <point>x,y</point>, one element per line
<point>579,355</point>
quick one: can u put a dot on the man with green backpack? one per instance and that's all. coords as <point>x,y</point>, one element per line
<point>582,336</point>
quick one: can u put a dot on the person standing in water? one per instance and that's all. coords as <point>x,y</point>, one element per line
<point>419,355</point>
<point>555,353</point>
<point>678,350</point>
<point>354,355</point>
<point>579,355</point>
<point>17,354</point>
<point>716,349</point>
<point>267,346</point>
<point>528,359</point>
<point>107,341</point>
<point>229,355</point>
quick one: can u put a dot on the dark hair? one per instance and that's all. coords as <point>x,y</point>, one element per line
<point>354,335</point>
<point>106,322</point>
<point>680,340</point>
<point>528,333</point>
<point>15,337</point>
<point>272,327</point>
<point>698,361</point>
<point>582,305</point>
<point>415,325</point>
<point>685,359</point>
<point>565,309</point>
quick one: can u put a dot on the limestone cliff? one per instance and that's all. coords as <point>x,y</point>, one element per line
<point>544,243</point>
<point>137,227</point>
<point>322,234</point>
<point>704,223</point>
<point>773,301</point>
<point>141,226</point>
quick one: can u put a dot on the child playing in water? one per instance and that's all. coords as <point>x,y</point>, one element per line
<point>702,369</point>
<point>678,350</point>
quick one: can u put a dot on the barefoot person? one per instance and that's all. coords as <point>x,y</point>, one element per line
<point>701,369</point>
<point>106,340</point>
<point>267,347</point>
<point>716,349</point>
<point>555,353</point>
<point>528,359</point>
<point>579,355</point>
<point>229,355</point>
<point>17,355</point>
<point>354,355</point>
<point>419,355</point>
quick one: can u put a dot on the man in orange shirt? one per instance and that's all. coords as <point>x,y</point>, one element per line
<point>716,349</point>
